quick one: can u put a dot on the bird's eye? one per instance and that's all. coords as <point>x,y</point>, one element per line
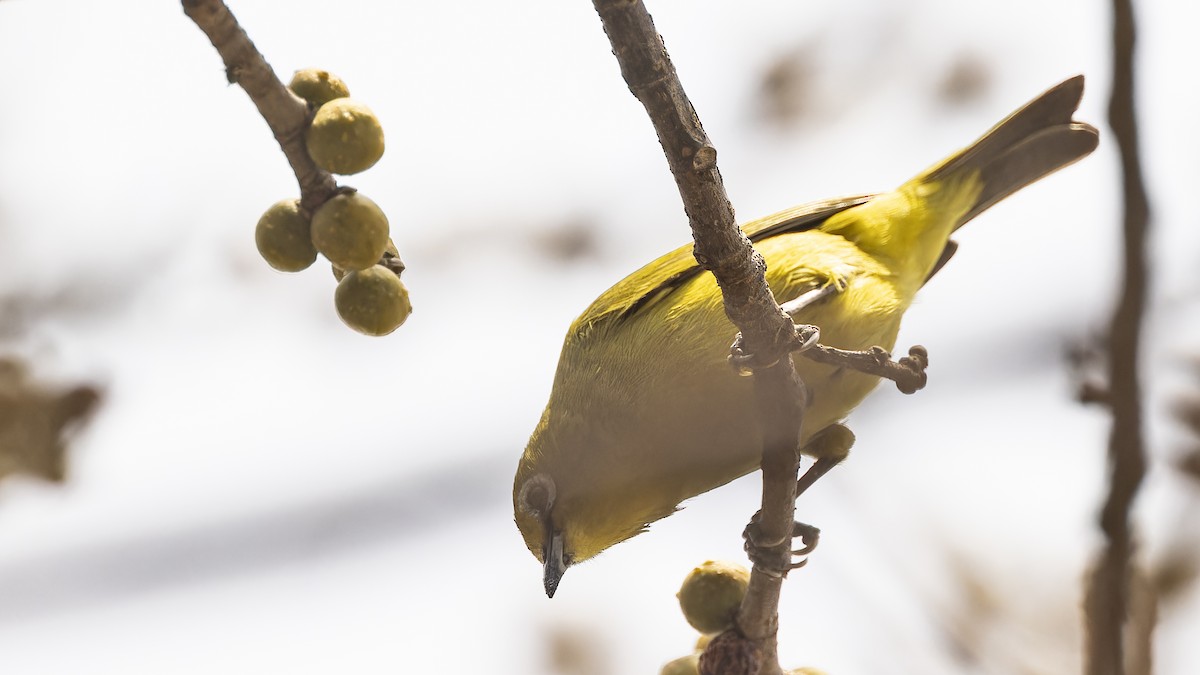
<point>537,495</point>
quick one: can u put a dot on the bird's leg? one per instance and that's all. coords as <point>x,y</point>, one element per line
<point>908,373</point>
<point>802,301</point>
<point>830,446</point>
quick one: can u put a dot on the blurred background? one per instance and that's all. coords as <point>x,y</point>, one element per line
<point>262,490</point>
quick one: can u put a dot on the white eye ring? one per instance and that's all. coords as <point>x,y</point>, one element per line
<point>537,495</point>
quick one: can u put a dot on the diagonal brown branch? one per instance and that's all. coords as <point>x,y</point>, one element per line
<point>285,113</point>
<point>740,272</point>
<point>1108,598</point>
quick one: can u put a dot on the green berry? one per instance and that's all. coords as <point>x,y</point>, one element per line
<point>684,665</point>
<point>372,301</point>
<point>318,86</point>
<point>351,231</point>
<point>711,595</point>
<point>284,237</point>
<point>345,137</point>
<point>391,252</point>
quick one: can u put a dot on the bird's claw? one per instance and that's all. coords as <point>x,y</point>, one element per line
<point>745,362</point>
<point>764,558</point>
<point>809,535</point>
<point>742,361</point>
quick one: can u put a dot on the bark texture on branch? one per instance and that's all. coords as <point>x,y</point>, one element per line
<point>722,248</point>
<point>285,113</point>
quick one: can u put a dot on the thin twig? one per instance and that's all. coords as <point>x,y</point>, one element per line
<point>740,272</point>
<point>284,112</point>
<point>1108,601</point>
<point>908,373</point>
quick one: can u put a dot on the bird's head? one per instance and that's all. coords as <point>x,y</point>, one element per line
<point>533,506</point>
<point>582,486</point>
<point>566,521</point>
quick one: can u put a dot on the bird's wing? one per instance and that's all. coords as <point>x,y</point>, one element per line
<point>658,279</point>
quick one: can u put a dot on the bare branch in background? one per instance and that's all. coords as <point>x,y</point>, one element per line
<point>1174,574</point>
<point>35,421</point>
<point>1108,604</point>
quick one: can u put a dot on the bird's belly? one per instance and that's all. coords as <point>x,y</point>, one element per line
<point>708,431</point>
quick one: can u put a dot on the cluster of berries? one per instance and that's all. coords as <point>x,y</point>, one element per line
<point>349,229</point>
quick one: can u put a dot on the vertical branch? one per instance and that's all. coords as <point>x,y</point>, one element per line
<point>722,248</point>
<point>780,401</point>
<point>1108,601</point>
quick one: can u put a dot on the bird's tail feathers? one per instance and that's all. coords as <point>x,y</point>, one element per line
<point>1034,141</point>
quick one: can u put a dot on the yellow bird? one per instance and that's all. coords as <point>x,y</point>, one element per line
<point>646,411</point>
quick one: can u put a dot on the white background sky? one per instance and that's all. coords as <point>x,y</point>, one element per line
<point>266,491</point>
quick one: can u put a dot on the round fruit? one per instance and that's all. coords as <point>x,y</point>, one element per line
<point>345,137</point>
<point>711,595</point>
<point>318,86</point>
<point>284,237</point>
<point>351,231</point>
<point>372,301</point>
<point>391,251</point>
<point>684,665</point>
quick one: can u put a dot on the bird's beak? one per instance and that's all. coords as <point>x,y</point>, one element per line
<point>552,557</point>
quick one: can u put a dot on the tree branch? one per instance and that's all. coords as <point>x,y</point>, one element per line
<point>286,113</point>
<point>722,248</point>
<point>908,373</point>
<point>1108,597</point>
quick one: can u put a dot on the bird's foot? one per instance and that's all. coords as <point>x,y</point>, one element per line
<point>765,555</point>
<point>745,362</point>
